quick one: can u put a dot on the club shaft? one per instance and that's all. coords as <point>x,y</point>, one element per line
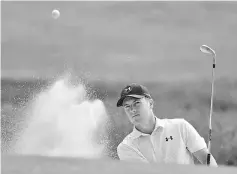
<point>211,112</point>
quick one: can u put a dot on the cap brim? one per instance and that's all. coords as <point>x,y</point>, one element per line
<point>120,101</point>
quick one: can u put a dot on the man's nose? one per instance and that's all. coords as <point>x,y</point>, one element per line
<point>132,109</point>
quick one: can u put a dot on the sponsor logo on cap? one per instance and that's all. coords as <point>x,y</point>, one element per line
<point>128,89</point>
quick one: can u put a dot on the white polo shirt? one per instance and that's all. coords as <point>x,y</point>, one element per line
<point>172,141</point>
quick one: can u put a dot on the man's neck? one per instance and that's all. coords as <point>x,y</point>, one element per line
<point>148,127</point>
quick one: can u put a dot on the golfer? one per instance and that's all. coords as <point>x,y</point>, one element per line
<point>155,140</point>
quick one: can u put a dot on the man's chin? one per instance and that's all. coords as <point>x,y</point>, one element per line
<point>136,120</point>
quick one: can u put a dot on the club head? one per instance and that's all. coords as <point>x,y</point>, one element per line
<point>207,50</point>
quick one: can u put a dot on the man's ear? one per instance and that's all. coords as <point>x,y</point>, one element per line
<point>151,103</point>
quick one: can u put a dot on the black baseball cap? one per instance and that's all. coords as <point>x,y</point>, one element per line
<point>133,90</point>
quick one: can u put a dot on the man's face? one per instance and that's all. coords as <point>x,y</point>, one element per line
<point>137,110</point>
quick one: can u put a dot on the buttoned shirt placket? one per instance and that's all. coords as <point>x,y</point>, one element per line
<point>153,148</point>
<point>150,142</point>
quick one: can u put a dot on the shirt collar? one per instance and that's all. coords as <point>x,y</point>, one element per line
<point>136,133</point>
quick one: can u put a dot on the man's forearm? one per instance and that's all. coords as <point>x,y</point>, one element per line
<point>212,162</point>
<point>201,155</point>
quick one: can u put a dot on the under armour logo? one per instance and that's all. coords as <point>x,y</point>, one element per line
<point>167,139</point>
<point>128,89</point>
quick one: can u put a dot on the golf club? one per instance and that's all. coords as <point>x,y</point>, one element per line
<point>207,50</point>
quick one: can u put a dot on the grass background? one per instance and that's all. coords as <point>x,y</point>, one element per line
<point>109,44</point>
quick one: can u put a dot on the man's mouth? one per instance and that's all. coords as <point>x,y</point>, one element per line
<point>135,115</point>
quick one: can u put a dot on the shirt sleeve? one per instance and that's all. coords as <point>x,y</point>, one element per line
<point>192,139</point>
<point>127,153</point>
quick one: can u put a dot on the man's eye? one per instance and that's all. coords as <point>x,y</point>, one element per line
<point>137,103</point>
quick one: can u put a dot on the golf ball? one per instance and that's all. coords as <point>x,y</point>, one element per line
<point>55,14</point>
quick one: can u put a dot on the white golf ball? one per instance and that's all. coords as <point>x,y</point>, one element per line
<point>55,14</point>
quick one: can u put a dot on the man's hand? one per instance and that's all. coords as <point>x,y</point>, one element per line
<point>201,155</point>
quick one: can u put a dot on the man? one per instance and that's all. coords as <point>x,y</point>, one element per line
<point>155,140</point>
